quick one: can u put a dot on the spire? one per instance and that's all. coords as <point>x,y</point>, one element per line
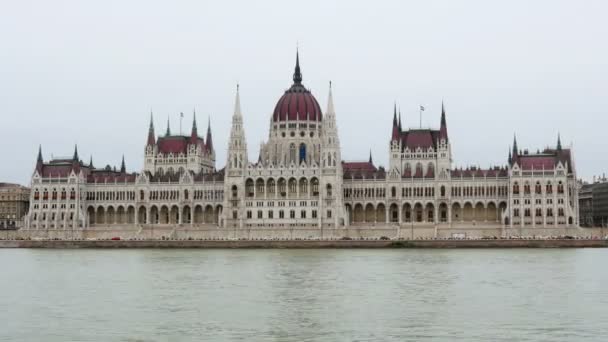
<point>91,163</point>
<point>510,156</point>
<point>400,130</point>
<point>75,157</point>
<point>370,156</point>
<point>237,103</point>
<point>123,168</point>
<point>395,115</point>
<point>209,140</point>
<point>39,160</point>
<point>330,102</point>
<point>297,75</point>
<point>168,133</point>
<point>194,134</point>
<point>514,146</point>
<point>559,142</point>
<point>443,131</point>
<point>151,138</point>
<point>396,131</point>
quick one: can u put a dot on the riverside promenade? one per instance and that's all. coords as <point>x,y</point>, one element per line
<point>438,243</point>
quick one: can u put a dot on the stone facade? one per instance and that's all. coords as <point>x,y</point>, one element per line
<point>14,205</point>
<point>300,181</point>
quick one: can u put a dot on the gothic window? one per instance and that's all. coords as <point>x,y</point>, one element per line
<point>419,168</point>
<point>560,188</point>
<point>442,191</point>
<point>249,187</point>
<point>515,188</point>
<point>328,190</point>
<point>393,192</point>
<point>549,189</point>
<point>538,189</point>
<point>302,152</point>
<point>526,188</point>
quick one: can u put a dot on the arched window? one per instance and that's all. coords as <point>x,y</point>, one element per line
<point>302,152</point>
<point>442,191</point>
<point>560,188</point>
<point>538,189</point>
<point>419,169</point>
<point>526,188</point>
<point>515,188</point>
<point>393,192</point>
<point>549,189</point>
<point>234,191</point>
<point>329,192</point>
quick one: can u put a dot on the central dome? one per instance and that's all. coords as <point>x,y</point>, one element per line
<point>297,104</point>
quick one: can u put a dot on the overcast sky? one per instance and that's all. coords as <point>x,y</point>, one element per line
<point>88,72</point>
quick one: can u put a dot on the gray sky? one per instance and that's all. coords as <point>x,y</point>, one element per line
<point>88,72</point>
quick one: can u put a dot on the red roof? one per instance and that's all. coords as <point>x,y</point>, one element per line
<point>479,173</point>
<point>358,167</point>
<point>424,139</point>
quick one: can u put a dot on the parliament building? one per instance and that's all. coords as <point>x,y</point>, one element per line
<point>301,180</point>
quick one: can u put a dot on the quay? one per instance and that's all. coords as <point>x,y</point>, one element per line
<point>303,244</point>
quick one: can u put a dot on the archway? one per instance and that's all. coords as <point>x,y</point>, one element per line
<point>91,215</point>
<point>164,215</point>
<point>381,213</point>
<point>154,215</point>
<point>394,213</point>
<point>480,213</point>
<point>456,212</point>
<point>270,187</point>
<point>430,212</point>
<point>418,212</point>
<point>174,215</point>
<point>131,215</point>
<point>120,215</point>
<point>209,214</point>
<point>110,216</point>
<point>359,214</point>
<point>259,188</point>
<point>491,212</point>
<point>369,213</point>
<point>198,214</point>
<point>468,213</point>
<point>186,215</point>
<point>443,212</point>
<point>407,212</point>
<point>141,216</point>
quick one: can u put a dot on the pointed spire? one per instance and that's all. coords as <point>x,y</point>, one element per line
<point>559,142</point>
<point>395,114</point>
<point>75,157</point>
<point>237,103</point>
<point>168,133</point>
<point>297,75</point>
<point>514,146</point>
<point>510,156</point>
<point>194,134</point>
<point>443,131</point>
<point>39,160</point>
<point>91,162</point>
<point>396,131</point>
<point>371,161</point>
<point>123,168</point>
<point>330,102</point>
<point>400,129</point>
<point>151,137</point>
<point>209,140</point>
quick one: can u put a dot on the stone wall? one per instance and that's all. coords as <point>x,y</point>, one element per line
<point>213,232</point>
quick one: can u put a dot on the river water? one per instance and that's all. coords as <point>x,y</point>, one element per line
<point>304,295</point>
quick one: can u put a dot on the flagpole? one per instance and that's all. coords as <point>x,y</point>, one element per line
<point>420,111</point>
<point>181,116</point>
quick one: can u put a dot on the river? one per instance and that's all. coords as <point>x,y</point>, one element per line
<point>304,295</point>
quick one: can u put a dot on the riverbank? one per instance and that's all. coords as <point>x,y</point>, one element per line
<point>482,243</point>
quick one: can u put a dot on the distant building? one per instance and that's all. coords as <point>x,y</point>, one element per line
<point>593,203</point>
<point>14,205</point>
<point>301,180</point>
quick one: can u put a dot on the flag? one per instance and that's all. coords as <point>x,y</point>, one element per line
<point>421,108</point>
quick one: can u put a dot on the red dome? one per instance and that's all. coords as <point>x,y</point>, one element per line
<point>297,103</point>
